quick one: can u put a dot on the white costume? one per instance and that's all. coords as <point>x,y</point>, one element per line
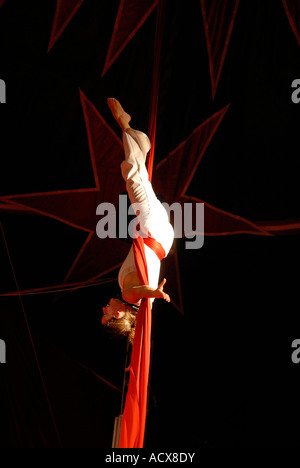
<point>151,214</point>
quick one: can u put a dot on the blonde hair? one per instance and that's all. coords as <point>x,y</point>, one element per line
<point>124,326</point>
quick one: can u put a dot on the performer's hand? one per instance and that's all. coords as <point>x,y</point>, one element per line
<point>160,291</point>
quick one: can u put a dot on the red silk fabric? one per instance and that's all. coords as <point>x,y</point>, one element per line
<point>134,415</point>
<point>155,246</point>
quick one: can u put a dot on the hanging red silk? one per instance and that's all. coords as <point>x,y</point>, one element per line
<point>134,415</point>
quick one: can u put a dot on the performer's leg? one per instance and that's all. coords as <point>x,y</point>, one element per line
<point>122,117</point>
<point>135,175</point>
<point>151,215</point>
<point>136,146</point>
<point>142,140</point>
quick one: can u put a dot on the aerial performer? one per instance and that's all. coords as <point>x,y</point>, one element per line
<point>120,314</point>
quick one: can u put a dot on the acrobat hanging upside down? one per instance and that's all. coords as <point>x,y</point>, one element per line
<point>119,316</point>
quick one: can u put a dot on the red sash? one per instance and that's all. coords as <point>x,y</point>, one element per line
<point>155,246</point>
<point>134,415</point>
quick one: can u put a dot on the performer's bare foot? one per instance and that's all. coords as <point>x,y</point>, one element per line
<point>119,114</point>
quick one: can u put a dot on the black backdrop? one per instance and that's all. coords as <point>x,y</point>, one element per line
<point>221,375</point>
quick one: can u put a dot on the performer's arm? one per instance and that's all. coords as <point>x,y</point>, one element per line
<point>135,293</point>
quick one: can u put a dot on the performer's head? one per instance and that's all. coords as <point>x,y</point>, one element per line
<point>119,319</point>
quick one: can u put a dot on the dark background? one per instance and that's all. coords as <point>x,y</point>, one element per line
<point>221,375</point>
